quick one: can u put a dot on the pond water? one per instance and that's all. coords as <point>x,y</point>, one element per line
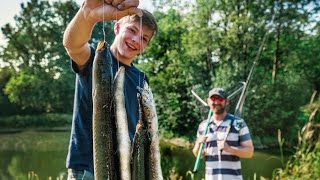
<point>41,155</point>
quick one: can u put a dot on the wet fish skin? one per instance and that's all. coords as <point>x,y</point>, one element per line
<point>139,154</point>
<point>140,148</point>
<point>124,143</point>
<point>103,125</point>
<point>150,115</point>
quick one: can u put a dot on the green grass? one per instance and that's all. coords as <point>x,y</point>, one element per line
<point>305,163</point>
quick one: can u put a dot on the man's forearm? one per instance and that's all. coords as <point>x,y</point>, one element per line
<point>242,152</point>
<point>77,35</point>
<point>195,149</point>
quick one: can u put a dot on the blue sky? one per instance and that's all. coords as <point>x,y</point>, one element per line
<point>12,7</point>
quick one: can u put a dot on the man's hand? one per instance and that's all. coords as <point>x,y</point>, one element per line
<point>221,144</point>
<point>78,31</point>
<point>107,10</point>
<point>245,150</point>
<point>201,139</point>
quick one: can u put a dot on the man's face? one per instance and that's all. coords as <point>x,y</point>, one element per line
<point>217,104</point>
<point>131,39</point>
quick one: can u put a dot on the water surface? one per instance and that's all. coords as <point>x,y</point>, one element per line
<point>42,155</point>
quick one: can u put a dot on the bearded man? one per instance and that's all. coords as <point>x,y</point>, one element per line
<point>227,140</point>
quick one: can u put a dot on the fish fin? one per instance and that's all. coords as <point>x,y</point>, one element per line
<point>101,45</point>
<point>139,89</point>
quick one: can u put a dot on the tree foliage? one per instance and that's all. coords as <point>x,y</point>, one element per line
<point>167,67</point>
<point>219,46</point>
<point>203,45</point>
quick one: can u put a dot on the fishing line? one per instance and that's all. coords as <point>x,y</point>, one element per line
<point>103,31</point>
<point>140,56</point>
<point>118,32</point>
<point>141,37</point>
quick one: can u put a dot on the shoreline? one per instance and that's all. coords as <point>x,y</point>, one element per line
<point>176,141</point>
<point>37,129</point>
<point>179,142</point>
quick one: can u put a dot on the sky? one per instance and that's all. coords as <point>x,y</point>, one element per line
<point>12,7</point>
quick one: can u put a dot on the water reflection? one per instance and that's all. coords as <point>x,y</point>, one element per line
<point>42,155</point>
<point>17,165</point>
<point>177,161</point>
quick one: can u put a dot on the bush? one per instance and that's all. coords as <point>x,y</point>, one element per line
<point>35,121</point>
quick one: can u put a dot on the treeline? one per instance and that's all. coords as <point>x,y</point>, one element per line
<point>200,45</point>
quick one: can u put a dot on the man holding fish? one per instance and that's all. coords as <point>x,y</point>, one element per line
<point>227,140</point>
<point>106,105</point>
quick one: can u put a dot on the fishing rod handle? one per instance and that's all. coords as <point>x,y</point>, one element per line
<point>197,164</point>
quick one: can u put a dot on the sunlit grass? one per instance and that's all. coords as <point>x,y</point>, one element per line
<point>34,176</point>
<point>305,163</point>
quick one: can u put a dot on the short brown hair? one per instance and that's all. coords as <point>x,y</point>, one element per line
<point>148,20</point>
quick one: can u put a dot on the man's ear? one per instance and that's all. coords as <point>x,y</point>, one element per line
<point>227,101</point>
<point>116,28</point>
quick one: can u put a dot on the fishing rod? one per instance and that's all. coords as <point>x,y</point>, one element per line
<point>197,163</point>
<point>236,92</point>
<point>239,107</point>
<point>231,96</point>
<point>199,98</point>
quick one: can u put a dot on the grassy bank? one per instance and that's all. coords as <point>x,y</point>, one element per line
<point>43,121</point>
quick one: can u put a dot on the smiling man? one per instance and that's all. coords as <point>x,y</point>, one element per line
<point>228,139</point>
<point>133,33</point>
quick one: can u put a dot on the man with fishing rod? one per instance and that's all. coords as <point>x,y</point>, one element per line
<point>133,32</point>
<point>226,139</point>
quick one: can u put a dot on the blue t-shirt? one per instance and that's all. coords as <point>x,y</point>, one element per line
<point>80,154</point>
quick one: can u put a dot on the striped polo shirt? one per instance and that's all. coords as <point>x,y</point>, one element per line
<point>226,166</point>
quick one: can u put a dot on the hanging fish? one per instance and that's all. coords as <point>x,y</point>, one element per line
<point>150,115</point>
<point>124,143</point>
<point>140,148</point>
<point>103,123</point>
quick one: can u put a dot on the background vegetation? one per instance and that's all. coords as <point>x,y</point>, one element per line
<point>201,44</point>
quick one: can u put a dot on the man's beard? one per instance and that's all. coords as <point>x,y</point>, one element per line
<point>219,110</point>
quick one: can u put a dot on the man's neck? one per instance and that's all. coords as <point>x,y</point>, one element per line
<point>219,117</point>
<point>120,58</point>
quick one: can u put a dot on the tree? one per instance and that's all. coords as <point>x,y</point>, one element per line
<point>36,53</point>
<point>167,66</point>
<point>7,108</point>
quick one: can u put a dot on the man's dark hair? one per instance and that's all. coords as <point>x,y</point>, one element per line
<point>148,20</point>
